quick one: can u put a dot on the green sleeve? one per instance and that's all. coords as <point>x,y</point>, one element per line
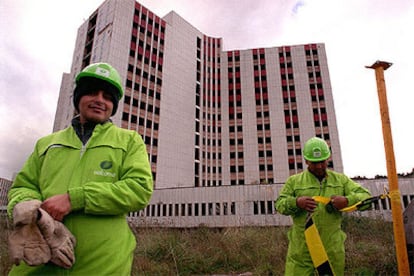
<point>354,192</point>
<point>286,202</point>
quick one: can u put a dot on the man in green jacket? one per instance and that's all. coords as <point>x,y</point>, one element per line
<point>89,176</point>
<point>296,199</point>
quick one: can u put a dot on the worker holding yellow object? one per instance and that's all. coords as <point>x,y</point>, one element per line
<point>314,199</point>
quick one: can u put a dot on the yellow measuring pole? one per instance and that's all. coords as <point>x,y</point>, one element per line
<point>395,196</point>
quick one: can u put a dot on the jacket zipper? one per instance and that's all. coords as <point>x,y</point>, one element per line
<point>83,145</point>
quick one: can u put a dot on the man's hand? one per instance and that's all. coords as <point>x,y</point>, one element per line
<point>339,202</point>
<point>306,203</point>
<point>57,206</point>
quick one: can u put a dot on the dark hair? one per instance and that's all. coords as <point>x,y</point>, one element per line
<point>87,85</point>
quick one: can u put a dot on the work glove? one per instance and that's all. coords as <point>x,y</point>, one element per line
<point>59,238</point>
<point>26,241</point>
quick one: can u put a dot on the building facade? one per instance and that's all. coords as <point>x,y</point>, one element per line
<point>209,116</point>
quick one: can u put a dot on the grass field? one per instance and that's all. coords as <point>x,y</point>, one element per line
<point>370,250</point>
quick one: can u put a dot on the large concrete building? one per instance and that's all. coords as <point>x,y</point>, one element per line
<point>209,117</point>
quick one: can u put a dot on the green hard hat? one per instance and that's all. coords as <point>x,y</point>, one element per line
<point>316,150</point>
<point>105,72</point>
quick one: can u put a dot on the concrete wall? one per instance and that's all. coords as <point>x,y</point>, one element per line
<point>242,205</point>
<point>233,206</point>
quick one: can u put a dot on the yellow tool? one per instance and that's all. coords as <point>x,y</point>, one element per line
<point>361,205</point>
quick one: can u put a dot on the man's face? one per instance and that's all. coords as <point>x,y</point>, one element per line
<point>95,107</point>
<point>318,168</point>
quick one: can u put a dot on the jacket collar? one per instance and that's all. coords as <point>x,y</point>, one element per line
<point>84,131</point>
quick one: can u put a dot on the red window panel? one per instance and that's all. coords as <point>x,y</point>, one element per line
<point>262,61</point>
<point>133,45</point>
<point>256,73</point>
<point>320,92</point>
<point>231,86</point>
<point>324,117</point>
<point>285,94</point>
<point>295,118</point>
<point>238,85</point>
<point>144,10</point>
<point>230,75</point>
<point>237,74</point>
<point>231,110</point>
<point>316,117</point>
<point>287,119</point>
<point>292,94</point>
<point>134,32</point>
<point>264,83</point>
<point>283,71</point>
<point>284,82</point>
<point>261,50</point>
<point>238,98</point>
<point>136,18</point>
<point>307,47</point>
<point>160,60</point>
<point>313,92</point>
<point>290,70</point>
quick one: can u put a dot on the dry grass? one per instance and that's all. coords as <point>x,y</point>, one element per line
<point>249,250</point>
<point>210,251</point>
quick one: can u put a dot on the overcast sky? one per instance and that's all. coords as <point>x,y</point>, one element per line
<point>38,38</point>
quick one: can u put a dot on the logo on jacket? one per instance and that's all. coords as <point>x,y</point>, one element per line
<point>105,165</point>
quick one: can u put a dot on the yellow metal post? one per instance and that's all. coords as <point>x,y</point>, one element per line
<point>395,196</point>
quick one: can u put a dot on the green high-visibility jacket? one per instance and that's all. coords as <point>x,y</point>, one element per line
<point>328,223</point>
<point>106,178</point>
